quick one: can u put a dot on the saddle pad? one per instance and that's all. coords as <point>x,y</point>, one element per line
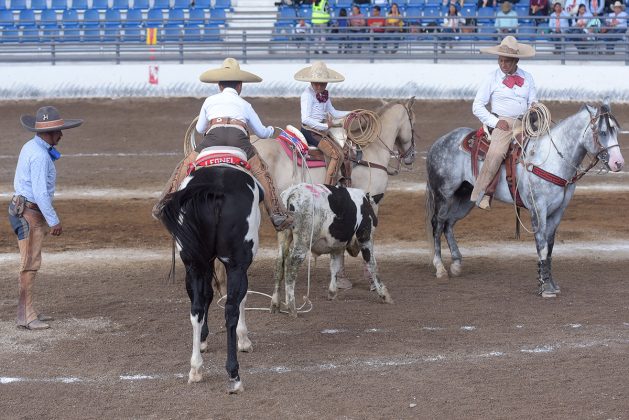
<point>211,156</point>
<point>309,162</point>
<point>239,153</point>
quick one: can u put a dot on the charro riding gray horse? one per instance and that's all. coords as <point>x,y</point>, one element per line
<point>546,179</point>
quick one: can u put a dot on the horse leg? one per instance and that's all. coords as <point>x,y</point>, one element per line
<point>539,223</point>
<point>459,208</point>
<point>237,283</point>
<point>244,344</point>
<point>200,293</point>
<point>370,263</point>
<point>552,225</point>
<point>437,261</point>
<point>284,239</point>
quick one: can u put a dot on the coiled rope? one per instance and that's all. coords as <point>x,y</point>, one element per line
<point>362,127</point>
<point>188,141</point>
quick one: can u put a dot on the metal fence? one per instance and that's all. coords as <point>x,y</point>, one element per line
<point>212,42</point>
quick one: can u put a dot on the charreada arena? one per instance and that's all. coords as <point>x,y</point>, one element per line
<point>475,341</point>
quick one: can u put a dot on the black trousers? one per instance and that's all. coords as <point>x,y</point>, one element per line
<point>227,136</point>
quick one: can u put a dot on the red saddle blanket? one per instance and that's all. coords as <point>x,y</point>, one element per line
<point>218,159</point>
<point>311,161</point>
<point>476,144</point>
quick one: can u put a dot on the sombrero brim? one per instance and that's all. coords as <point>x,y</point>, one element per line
<point>305,75</point>
<point>28,122</point>
<point>228,75</point>
<point>524,51</point>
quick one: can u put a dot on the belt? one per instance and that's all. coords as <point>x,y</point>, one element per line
<point>32,206</point>
<point>228,121</point>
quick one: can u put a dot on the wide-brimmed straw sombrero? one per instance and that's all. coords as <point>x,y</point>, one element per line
<point>229,72</point>
<point>510,47</point>
<point>320,73</point>
<point>46,120</point>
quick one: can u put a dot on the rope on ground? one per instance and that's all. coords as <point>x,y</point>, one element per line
<point>362,127</point>
<point>188,141</point>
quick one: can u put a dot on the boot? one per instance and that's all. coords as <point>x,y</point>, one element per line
<point>26,314</point>
<point>332,151</point>
<point>280,218</point>
<point>173,183</point>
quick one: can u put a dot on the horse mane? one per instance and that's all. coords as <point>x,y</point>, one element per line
<point>386,106</point>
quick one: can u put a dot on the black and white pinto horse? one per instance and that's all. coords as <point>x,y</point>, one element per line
<point>328,220</point>
<point>557,154</point>
<point>215,215</point>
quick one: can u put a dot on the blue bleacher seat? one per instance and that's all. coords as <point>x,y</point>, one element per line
<point>212,33</point>
<point>522,11</point>
<point>416,3</point>
<point>181,4</point>
<point>161,4</point>
<point>413,14</point>
<point>92,34</point>
<point>486,16</point>
<point>99,4</point>
<point>155,18</point>
<point>287,16</point>
<point>70,18</point>
<point>112,17</point>
<point>26,18</point>
<point>305,12</point>
<point>196,17</point>
<point>133,25</point>
<point>141,4</point>
<point>112,25</point>
<point>79,4</point>
<point>91,26</point>
<point>134,18</point>
<point>48,19</point>
<point>527,32</point>
<point>91,18</point>
<point>202,4</point>
<point>172,33</point>
<point>222,4</point>
<point>431,15</point>
<point>9,34</point>
<point>37,4</point>
<point>343,3</point>
<point>486,33</point>
<point>17,4</point>
<point>192,33</point>
<point>468,11</point>
<point>59,4</point>
<point>121,4</point>
<point>6,19</point>
<point>175,17</point>
<point>218,16</point>
<point>280,32</point>
<point>27,24</point>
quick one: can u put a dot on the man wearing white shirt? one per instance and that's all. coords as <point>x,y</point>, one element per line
<point>317,111</point>
<point>511,92</point>
<point>226,120</point>
<point>616,23</point>
<point>31,212</point>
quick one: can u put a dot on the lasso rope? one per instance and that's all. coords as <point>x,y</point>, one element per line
<point>362,127</point>
<point>188,143</point>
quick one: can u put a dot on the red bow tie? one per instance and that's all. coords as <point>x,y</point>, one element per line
<point>512,80</point>
<point>322,97</point>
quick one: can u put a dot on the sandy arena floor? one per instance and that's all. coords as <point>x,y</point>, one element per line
<point>482,345</point>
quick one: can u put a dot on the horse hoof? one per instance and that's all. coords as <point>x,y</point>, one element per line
<point>194,376</point>
<point>387,299</point>
<point>275,309</point>
<point>456,268</point>
<point>245,346</point>
<point>235,387</point>
<point>343,283</point>
<point>331,295</point>
<point>442,273</point>
<point>548,294</point>
<point>203,346</point>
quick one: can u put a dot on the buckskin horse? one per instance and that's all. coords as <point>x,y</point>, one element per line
<point>546,178</point>
<point>215,215</point>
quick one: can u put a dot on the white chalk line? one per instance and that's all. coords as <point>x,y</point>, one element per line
<point>602,250</point>
<point>394,186</point>
<point>340,366</point>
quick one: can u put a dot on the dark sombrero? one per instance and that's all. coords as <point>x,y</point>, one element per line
<point>47,119</point>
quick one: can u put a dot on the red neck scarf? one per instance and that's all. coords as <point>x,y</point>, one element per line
<point>512,80</point>
<point>322,97</point>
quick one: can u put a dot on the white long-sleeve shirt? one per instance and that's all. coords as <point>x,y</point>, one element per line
<point>504,101</point>
<point>314,113</point>
<point>229,104</point>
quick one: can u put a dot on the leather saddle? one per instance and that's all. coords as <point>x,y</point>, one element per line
<point>476,144</point>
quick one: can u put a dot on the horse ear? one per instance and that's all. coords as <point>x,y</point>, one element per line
<point>607,103</point>
<point>410,102</point>
<point>591,110</point>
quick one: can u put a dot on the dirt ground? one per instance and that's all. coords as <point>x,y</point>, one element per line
<point>482,345</point>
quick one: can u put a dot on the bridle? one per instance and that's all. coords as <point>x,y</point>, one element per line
<point>409,153</point>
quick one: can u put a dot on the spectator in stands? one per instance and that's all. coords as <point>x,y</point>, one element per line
<point>583,23</point>
<point>341,25</point>
<point>376,25</point>
<point>616,23</point>
<point>506,19</point>
<point>394,25</point>
<point>558,23</point>
<point>572,6</point>
<point>357,25</point>
<point>451,24</point>
<point>301,29</point>
<point>445,4</point>
<point>320,20</point>
<point>595,7</point>
<point>381,3</point>
<point>486,3</point>
<point>538,9</point>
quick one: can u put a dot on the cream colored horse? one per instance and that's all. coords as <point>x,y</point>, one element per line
<point>396,141</point>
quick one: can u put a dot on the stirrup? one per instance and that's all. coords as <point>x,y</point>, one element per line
<point>282,221</point>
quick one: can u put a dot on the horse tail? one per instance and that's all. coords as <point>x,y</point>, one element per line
<point>192,217</point>
<point>430,212</point>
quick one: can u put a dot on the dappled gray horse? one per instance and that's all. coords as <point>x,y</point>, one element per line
<point>546,179</point>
